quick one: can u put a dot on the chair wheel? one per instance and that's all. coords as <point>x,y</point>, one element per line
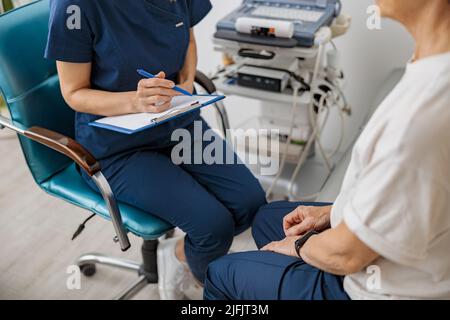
<point>88,269</point>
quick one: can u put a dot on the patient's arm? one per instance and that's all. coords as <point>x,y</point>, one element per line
<point>338,251</point>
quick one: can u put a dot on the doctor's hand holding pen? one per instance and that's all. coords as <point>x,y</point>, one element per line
<point>154,94</point>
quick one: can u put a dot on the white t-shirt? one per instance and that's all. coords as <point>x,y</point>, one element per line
<point>396,193</point>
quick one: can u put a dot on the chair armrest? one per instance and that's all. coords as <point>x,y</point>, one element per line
<point>205,82</point>
<point>90,165</point>
<point>57,142</point>
<point>66,146</point>
<point>85,160</point>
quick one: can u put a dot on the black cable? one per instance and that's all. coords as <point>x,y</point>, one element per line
<point>82,226</point>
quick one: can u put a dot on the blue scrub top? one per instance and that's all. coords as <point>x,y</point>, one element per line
<point>119,37</point>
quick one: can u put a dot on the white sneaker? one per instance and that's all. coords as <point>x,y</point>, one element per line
<point>174,276</point>
<point>194,292</point>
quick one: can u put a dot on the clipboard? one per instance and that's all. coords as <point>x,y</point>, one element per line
<point>133,123</point>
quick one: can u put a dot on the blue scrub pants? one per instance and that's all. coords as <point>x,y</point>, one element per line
<point>210,203</point>
<point>262,275</point>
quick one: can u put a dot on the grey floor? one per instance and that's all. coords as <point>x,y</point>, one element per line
<point>35,245</point>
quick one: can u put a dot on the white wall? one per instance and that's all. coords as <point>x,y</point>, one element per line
<point>239,109</point>
<point>367,58</point>
<point>208,59</point>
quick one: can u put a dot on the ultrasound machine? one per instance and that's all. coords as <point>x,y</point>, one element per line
<point>281,52</point>
<point>261,21</point>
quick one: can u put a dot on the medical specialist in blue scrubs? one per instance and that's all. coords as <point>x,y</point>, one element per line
<point>97,58</point>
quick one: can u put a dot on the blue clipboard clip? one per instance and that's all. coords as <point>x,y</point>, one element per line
<point>176,112</point>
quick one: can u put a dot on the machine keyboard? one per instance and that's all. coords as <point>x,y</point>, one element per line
<point>287,13</point>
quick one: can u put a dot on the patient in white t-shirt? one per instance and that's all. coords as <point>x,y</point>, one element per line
<point>387,236</point>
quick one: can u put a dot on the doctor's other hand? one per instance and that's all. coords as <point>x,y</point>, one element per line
<point>154,95</point>
<point>306,218</point>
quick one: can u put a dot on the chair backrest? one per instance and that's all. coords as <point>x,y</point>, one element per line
<point>30,86</point>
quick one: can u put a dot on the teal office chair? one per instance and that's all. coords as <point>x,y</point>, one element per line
<point>45,126</point>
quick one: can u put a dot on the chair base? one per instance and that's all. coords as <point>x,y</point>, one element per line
<point>147,271</point>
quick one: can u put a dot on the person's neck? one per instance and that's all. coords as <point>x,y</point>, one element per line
<point>430,31</point>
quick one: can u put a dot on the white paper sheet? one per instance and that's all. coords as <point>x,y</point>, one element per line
<point>137,121</point>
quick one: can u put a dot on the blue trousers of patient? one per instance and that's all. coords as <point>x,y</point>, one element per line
<point>262,275</point>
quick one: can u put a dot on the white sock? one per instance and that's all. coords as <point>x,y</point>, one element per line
<point>172,246</point>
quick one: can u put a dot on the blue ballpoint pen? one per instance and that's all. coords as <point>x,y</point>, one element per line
<point>151,76</point>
